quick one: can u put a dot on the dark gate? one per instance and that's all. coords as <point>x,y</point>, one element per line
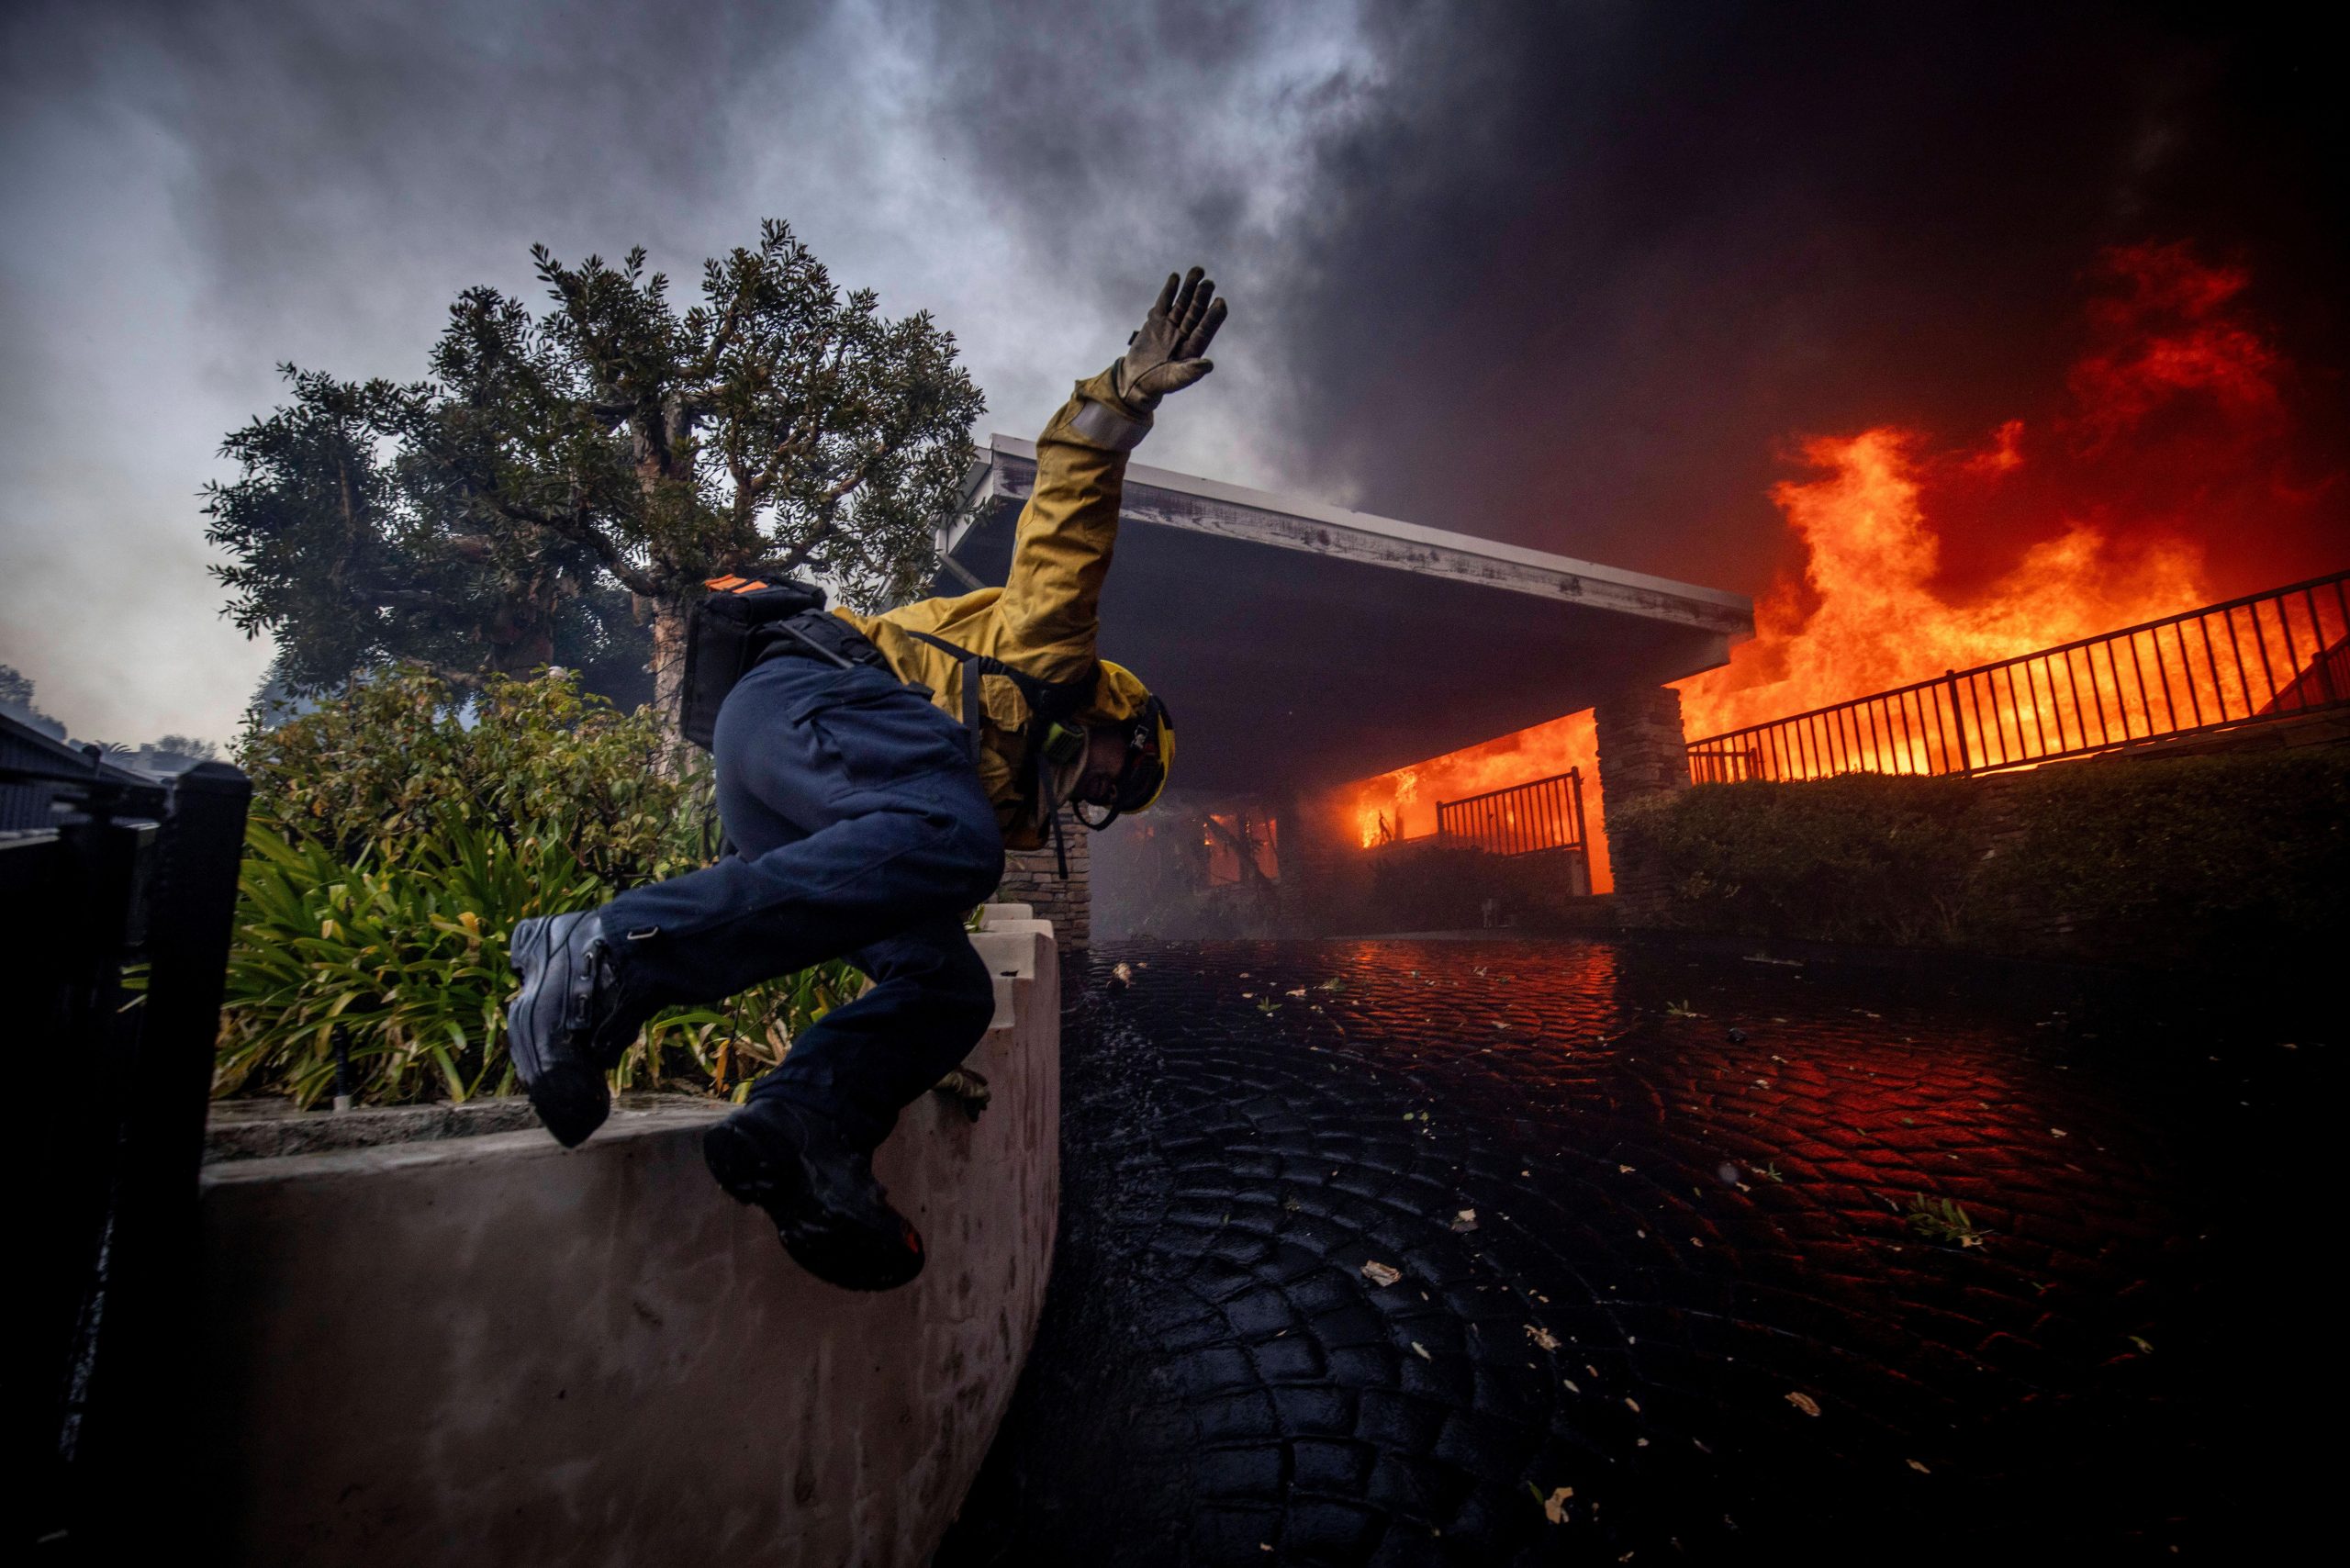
<point>120,889</point>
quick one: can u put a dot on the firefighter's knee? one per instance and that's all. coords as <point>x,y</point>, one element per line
<point>966,993</point>
<point>972,859</point>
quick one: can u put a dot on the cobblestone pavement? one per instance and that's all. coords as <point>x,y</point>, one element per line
<point>1658,1275</point>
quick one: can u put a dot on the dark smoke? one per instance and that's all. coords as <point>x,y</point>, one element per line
<point>1575,274</point>
<point>1571,275</point>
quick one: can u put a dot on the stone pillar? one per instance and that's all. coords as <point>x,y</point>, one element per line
<point>1642,754</point>
<point>1033,877</point>
<point>1641,748</point>
<point>1315,861</point>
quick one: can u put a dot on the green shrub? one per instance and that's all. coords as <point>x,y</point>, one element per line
<point>1862,857</point>
<point>2238,860</point>
<point>395,760</point>
<point>394,843</point>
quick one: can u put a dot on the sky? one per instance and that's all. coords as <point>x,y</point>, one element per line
<point>1577,276</point>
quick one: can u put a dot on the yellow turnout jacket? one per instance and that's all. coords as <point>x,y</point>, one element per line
<point>1044,621</point>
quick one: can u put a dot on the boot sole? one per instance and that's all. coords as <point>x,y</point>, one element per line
<point>851,1257</point>
<point>571,1104</point>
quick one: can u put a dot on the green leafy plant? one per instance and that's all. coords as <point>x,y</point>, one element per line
<point>400,833</point>
<point>408,961</point>
<point>1856,859</point>
<point>400,756</point>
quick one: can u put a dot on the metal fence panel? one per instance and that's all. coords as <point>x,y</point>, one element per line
<point>2265,657</point>
<point>1544,813</point>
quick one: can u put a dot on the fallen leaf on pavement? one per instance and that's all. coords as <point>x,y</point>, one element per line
<point>1542,1336</point>
<point>1379,1273</point>
<point>1421,1350</point>
<point>1465,1220</point>
<point>1554,1506</point>
<point>1805,1403</point>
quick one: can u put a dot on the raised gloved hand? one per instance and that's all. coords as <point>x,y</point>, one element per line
<point>1165,355</point>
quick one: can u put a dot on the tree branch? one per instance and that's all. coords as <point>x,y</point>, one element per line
<point>828,505</point>
<point>578,527</point>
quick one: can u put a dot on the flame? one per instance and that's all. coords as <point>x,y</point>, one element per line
<point>1402,804</point>
<point>1868,614</point>
<point>2173,440</point>
<point>2167,326</point>
<point>2092,516</point>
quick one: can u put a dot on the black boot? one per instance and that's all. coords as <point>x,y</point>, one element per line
<point>569,1024</point>
<point>834,1219</point>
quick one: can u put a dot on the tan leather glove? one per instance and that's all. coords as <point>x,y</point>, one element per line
<point>1165,355</point>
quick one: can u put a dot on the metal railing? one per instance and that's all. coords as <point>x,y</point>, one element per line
<point>2265,657</point>
<point>1544,814</point>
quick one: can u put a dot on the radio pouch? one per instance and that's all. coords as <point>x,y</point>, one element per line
<point>724,634</point>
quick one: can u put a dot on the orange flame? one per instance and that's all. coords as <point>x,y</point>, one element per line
<point>1868,614</point>
<point>1402,804</point>
<point>2096,518</point>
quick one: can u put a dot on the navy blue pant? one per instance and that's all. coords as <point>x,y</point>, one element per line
<point>860,832</point>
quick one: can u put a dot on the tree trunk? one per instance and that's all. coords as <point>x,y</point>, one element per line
<point>522,631</point>
<point>669,669</point>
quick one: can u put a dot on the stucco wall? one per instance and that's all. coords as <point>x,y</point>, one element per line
<point>490,1350</point>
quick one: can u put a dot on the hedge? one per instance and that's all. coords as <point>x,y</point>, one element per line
<point>2238,860</point>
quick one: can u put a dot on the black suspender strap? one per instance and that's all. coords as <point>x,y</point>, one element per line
<point>1050,699</point>
<point>1047,699</point>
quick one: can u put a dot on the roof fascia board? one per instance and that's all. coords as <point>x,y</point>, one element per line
<point>1295,524</point>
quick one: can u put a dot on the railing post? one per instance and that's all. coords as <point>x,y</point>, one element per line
<point>1966,753</point>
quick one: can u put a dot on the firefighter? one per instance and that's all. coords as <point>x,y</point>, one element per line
<point>871,771</point>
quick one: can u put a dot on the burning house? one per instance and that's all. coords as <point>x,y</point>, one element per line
<point>1305,646</point>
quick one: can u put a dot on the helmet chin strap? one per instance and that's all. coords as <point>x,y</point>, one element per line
<point>1109,815</point>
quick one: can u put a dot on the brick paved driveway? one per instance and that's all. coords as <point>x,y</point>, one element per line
<point>1688,1310</point>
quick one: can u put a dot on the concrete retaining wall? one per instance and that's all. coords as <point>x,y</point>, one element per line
<point>488,1350</point>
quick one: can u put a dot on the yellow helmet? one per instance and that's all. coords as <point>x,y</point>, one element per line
<point>1119,698</point>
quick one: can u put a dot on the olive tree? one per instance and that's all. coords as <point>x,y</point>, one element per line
<point>560,485</point>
